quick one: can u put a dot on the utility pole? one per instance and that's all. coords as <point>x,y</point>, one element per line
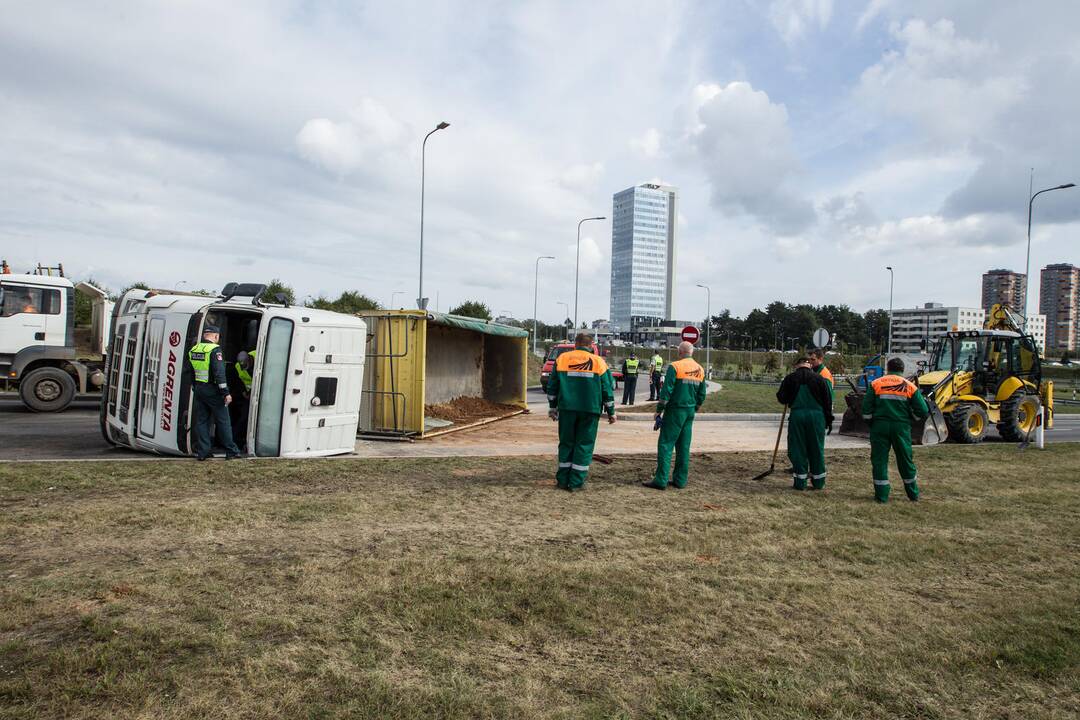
<point>536,290</point>
<point>889,268</point>
<point>577,263</point>
<point>421,301</point>
<point>1027,264</point>
<point>708,325</point>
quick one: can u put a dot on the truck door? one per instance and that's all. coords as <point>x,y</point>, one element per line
<point>306,397</point>
<point>330,389</point>
<point>22,324</point>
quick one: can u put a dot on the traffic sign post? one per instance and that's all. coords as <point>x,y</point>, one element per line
<point>691,334</point>
<point>821,337</point>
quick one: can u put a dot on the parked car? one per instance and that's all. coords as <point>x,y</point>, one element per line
<point>557,350</point>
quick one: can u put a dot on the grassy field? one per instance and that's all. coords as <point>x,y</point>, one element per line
<point>473,588</point>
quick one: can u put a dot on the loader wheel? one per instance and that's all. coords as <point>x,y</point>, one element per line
<point>47,389</point>
<point>967,424</point>
<point>1018,416</point>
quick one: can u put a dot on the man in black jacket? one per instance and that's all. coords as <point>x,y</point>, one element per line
<point>809,396</point>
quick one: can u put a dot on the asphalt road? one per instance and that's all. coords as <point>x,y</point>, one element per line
<point>74,434</point>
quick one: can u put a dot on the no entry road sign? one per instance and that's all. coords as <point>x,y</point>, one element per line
<point>690,334</point>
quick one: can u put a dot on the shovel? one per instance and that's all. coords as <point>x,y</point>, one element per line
<point>776,449</point>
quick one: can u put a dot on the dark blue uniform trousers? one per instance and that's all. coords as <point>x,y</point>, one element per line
<point>210,404</point>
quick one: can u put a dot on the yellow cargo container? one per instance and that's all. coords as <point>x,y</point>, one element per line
<point>417,359</point>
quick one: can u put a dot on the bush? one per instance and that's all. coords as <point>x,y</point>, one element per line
<point>772,362</point>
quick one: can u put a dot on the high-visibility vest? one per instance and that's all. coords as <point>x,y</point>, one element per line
<point>631,365</point>
<point>658,363</point>
<point>199,357</point>
<point>245,376</point>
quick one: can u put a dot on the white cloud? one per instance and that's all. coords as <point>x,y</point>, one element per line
<point>743,143</point>
<point>793,19</point>
<point>648,143</point>
<point>367,136</point>
<point>582,176</point>
<point>932,232</point>
<point>946,83</point>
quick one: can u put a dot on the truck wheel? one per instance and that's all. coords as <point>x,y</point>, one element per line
<point>1018,416</point>
<point>967,424</point>
<point>47,389</point>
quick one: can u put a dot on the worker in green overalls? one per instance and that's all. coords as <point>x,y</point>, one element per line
<point>683,392</point>
<point>889,405</point>
<point>809,399</point>
<point>579,389</point>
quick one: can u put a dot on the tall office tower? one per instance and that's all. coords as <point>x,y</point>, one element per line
<point>1003,286</point>
<point>1059,301</point>
<point>643,224</point>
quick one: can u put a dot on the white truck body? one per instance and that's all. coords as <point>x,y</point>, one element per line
<point>37,339</point>
<point>306,383</point>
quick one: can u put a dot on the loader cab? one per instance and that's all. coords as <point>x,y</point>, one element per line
<point>991,356</point>
<point>305,389</point>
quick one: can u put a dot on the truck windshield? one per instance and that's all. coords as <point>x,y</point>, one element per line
<point>967,356</point>
<point>275,373</point>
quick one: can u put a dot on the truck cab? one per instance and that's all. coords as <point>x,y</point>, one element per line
<point>40,350</point>
<point>305,385</point>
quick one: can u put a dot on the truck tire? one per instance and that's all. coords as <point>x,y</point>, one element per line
<point>47,389</point>
<point>967,424</point>
<point>1018,416</point>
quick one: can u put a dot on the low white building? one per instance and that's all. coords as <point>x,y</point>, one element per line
<point>1036,327</point>
<point>915,329</point>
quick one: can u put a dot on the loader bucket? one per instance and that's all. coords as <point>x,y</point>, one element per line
<point>923,432</point>
<point>852,422</point>
<point>931,429</point>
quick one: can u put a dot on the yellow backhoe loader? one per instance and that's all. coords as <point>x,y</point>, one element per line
<point>975,379</point>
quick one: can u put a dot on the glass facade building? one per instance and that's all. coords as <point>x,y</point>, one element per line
<point>642,255</point>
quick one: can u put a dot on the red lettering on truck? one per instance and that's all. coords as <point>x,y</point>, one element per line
<point>167,393</point>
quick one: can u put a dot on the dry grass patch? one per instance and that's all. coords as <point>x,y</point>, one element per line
<point>462,588</point>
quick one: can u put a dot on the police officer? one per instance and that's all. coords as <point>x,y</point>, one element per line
<point>212,396</point>
<point>656,368</point>
<point>579,389</point>
<point>889,405</point>
<point>683,392</point>
<point>238,410</point>
<point>629,378</point>
<point>810,398</point>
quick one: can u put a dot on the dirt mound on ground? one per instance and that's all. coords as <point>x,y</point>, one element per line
<point>465,409</point>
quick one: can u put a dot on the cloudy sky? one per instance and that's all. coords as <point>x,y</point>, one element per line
<point>813,143</point>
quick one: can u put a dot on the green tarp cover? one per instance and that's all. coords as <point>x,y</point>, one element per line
<point>481,326</point>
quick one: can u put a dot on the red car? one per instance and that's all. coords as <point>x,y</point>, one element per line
<point>559,349</point>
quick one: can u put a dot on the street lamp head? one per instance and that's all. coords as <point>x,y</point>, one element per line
<point>1066,185</point>
<point>888,267</point>
<point>547,257</point>
<point>442,126</point>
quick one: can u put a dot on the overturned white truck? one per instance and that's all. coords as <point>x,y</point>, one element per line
<point>305,388</point>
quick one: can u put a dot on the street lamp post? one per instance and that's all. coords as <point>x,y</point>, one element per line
<point>577,263</point>
<point>566,309</point>
<point>421,301</point>
<point>178,284</point>
<point>708,324</point>
<point>1027,264</point>
<point>889,330</point>
<point>396,292</point>
<point>536,291</point>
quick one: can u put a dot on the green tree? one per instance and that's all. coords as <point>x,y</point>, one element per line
<point>473,309</point>
<point>349,302</point>
<point>275,287</point>
<point>132,286</point>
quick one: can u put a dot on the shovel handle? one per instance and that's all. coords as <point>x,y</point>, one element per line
<point>779,432</point>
